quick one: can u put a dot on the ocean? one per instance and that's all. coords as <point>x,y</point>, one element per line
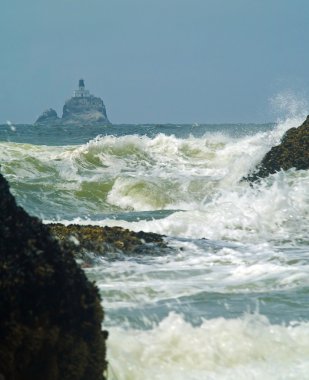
<point>230,298</point>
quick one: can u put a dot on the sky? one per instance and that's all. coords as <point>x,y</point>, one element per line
<point>155,61</point>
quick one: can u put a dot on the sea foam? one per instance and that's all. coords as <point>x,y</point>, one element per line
<point>220,349</point>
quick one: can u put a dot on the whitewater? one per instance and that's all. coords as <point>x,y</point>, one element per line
<point>230,298</point>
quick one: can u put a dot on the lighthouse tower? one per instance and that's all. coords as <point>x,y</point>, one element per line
<point>81,92</point>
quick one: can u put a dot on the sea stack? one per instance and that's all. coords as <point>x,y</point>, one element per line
<point>48,116</point>
<point>81,109</point>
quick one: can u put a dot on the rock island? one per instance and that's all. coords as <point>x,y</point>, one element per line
<point>82,109</point>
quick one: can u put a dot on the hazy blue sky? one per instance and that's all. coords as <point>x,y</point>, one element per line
<point>154,60</point>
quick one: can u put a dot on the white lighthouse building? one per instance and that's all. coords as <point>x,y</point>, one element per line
<point>81,92</point>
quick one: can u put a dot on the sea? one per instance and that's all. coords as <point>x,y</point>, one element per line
<point>229,298</point>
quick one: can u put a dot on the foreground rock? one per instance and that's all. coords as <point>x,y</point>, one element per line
<point>50,319</point>
<point>90,241</point>
<point>293,152</point>
<point>82,109</point>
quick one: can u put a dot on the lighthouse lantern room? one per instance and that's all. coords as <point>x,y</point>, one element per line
<point>81,92</point>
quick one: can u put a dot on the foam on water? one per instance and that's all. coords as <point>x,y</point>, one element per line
<point>245,348</point>
<point>137,170</point>
<point>276,209</point>
<point>199,176</point>
<point>208,278</point>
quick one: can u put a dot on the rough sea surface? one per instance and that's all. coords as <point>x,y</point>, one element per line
<point>231,299</point>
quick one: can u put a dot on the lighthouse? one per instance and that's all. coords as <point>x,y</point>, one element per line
<point>81,92</point>
<point>82,108</point>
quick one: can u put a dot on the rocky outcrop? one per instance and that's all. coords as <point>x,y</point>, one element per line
<point>293,152</point>
<point>91,241</point>
<point>85,111</point>
<point>47,117</point>
<point>50,319</point>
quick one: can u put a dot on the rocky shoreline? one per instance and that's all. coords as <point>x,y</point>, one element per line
<point>51,314</point>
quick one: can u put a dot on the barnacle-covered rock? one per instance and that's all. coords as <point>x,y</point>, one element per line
<point>102,240</point>
<point>50,314</point>
<point>292,152</point>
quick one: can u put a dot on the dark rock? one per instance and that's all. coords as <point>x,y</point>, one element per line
<point>50,314</point>
<point>102,240</point>
<point>85,111</point>
<point>48,116</point>
<point>293,152</point>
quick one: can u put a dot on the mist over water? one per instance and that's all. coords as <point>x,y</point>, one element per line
<point>230,299</point>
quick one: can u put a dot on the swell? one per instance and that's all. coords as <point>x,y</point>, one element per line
<point>196,177</point>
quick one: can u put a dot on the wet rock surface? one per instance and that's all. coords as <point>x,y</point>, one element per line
<point>50,319</point>
<point>99,241</point>
<point>292,152</point>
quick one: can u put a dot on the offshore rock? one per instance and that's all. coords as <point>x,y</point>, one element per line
<point>48,116</point>
<point>92,241</point>
<point>85,111</point>
<point>293,152</point>
<point>50,314</point>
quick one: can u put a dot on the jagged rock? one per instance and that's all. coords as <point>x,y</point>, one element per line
<point>48,116</point>
<point>50,314</point>
<point>292,152</point>
<point>85,111</point>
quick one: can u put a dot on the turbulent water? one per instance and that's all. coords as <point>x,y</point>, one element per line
<point>230,300</point>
